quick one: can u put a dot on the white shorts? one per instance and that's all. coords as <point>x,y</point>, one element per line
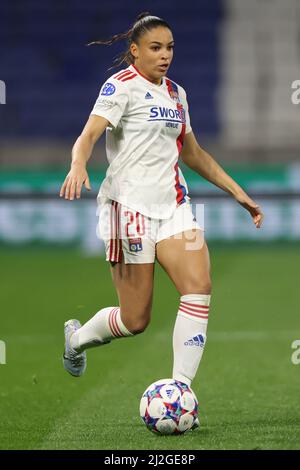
<point>131,236</point>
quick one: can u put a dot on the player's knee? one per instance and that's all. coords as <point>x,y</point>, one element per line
<point>136,322</point>
<point>196,286</point>
<point>138,326</point>
<point>206,287</point>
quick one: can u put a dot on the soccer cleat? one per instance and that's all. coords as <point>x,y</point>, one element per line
<point>74,362</point>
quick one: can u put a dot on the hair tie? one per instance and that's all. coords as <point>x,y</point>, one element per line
<point>145,19</point>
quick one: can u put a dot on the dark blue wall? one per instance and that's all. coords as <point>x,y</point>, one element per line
<point>53,79</point>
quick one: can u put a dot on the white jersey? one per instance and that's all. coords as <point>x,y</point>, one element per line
<point>143,142</point>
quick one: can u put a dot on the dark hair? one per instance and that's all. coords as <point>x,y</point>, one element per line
<point>143,23</point>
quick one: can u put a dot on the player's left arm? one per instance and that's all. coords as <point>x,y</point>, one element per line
<point>200,161</point>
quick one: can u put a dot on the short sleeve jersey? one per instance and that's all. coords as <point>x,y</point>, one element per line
<point>143,141</point>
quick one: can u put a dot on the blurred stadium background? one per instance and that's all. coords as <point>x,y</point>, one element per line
<point>237,61</point>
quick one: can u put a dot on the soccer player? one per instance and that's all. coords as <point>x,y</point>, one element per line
<point>145,210</point>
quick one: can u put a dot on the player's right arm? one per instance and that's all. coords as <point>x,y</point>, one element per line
<point>107,111</point>
<point>81,153</point>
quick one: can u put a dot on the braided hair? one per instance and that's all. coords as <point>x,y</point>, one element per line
<point>144,22</point>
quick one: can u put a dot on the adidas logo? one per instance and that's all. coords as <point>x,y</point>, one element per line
<point>169,393</point>
<point>196,341</point>
<point>148,96</point>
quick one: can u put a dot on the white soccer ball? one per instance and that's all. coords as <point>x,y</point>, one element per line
<point>169,407</point>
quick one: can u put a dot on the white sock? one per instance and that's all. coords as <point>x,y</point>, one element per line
<point>100,329</point>
<point>189,335</point>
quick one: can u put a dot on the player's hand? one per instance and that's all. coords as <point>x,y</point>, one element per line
<point>74,180</point>
<point>251,207</point>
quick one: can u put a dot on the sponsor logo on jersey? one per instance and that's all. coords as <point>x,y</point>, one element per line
<point>161,113</point>
<point>173,125</point>
<point>135,244</point>
<point>196,341</point>
<point>108,89</point>
<point>148,96</point>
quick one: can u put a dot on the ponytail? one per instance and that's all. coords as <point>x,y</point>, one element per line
<point>143,23</point>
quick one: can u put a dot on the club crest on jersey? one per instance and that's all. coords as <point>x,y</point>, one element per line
<point>108,89</point>
<point>135,244</point>
<point>174,95</point>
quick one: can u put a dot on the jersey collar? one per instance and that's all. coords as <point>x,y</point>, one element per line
<point>135,69</point>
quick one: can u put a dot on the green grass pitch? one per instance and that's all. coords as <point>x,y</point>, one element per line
<point>247,386</point>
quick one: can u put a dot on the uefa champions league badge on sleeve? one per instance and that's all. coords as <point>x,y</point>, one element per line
<point>108,89</point>
<point>135,244</point>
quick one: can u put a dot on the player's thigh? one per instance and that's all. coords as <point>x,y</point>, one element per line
<point>134,286</point>
<point>185,258</point>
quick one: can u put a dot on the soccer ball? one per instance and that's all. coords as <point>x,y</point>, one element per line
<point>169,407</point>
